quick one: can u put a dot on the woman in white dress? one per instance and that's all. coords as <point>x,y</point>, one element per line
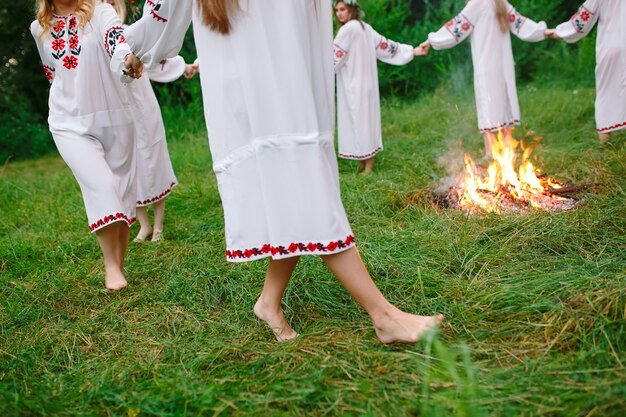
<point>79,45</point>
<point>610,58</point>
<point>489,22</point>
<point>155,175</point>
<point>267,82</point>
<point>357,48</point>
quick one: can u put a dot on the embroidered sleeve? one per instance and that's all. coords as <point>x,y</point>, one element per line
<point>525,28</point>
<point>343,42</point>
<point>580,23</point>
<point>391,52</point>
<point>113,37</point>
<point>452,33</point>
<point>168,70</point>
<point>46,61</point>
<point>340,56</point>
<point>160,32</point>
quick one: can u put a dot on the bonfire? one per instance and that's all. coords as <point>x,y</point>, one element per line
<point>510,183</point>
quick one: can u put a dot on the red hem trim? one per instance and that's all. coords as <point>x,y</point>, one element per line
<point>612,128</point>
<point>369,155</point>
<point>161,196</point>
<point>496,128</point>
<point>111,218</point>
<point>293,249</point>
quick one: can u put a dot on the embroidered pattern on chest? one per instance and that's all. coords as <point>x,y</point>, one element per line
<point>459,26</point>
<point>113,37</point>
<point>581,18</point>
<point>516,21</point>
<point>65,42</point>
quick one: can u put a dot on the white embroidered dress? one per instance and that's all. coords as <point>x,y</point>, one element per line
<point>610,57</point>
<point>155,175</point>
<point>494,69</point>
<point>89,111</point>
<point>268,98</point>
<point>357,48</point>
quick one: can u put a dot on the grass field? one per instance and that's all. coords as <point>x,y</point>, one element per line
<point>535,305</point>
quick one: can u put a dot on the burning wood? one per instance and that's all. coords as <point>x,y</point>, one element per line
<point>503,187</point>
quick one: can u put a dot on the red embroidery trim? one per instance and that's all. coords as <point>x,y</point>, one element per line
<point>49,71</point>
<point>611,128</point>
<point>109,219</point>
<point>369,155</point>
<point>159,197</point>
<point>496,128</point>
<point>113,37</point>
<point>293,248</point>
<point>157,17</point>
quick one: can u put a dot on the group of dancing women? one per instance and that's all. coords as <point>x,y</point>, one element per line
<point>268,84</point>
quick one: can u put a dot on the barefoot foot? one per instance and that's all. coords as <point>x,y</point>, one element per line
<point>399,326</point>
<point>143,234</point>
<point>114,280</point>
<point>276,321</point>
<point>157,235</point>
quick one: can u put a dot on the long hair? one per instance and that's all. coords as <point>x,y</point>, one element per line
<point>84,12</point>
<point>120,8</point>
<point>215,14</point>
<point>502,14</point>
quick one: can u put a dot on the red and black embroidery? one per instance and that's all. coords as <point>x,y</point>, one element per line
<point>459,27</point>
<point>369,155</point>
<point>156,7</point>
<point>70,62</point>
<point>109,219</point>
<point>49,71</point>
<point>612,128</point>
<point>516,21</point>
<point>157,198</point>
<point>58,43</point>
<point>113,37</point>
<point>387,46</point>
<point>499,127</point>
<point>581,18</point>
<point>293,248</point>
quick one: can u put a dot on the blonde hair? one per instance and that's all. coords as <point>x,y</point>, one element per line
<point>502,14</point>
<point>215,14</point>
<point>84,12</point>
<point>120,8</point>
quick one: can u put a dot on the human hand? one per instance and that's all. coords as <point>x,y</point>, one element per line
<point>190,70</point>
<point>422,50</point>
<point>133,67</point>
<point>551,33</point>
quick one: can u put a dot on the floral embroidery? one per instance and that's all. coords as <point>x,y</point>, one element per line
<point>59,26</point>
<point>516,20</point>
<point>110,218</point>
<point>159,197</point>
<point>113,37</point>
<point>459,27</point>
<point>49,71</point>
<point>369,155</point>
<point>499,127</point>
<point>70,62</point>
<point>390,47</point>
<point>618,126</point>
<point>339,54</point>
<point>293,248</point>
<point>581,18</point>
<point>58,44</point>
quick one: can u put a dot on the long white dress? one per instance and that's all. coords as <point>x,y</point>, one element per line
<point>89,111</point>
<point>494,69</point>
<point>268,99</point>
<point>155,175</point>
<point>610,57</point>
<point>357,47</point>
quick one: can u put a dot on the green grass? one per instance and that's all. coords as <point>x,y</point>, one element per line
<point>535,305</point>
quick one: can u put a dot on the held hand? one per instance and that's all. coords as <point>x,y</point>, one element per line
<point>133,67</point>
<point>422,50</point>
<point>551,33</point>
<point>190,70</point>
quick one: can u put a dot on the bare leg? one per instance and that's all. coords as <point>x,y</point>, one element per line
<point>123,243</point>
<point>144,222</point>
<point>390,323</point>
<point>109,239</point>
<point>361,165</point>
<point>369,165</point>
<point>604,138</point>
<point>488,138</point>
<point>268,306</point>
<point>159,215</point>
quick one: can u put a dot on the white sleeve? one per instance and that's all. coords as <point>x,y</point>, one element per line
<point>160,32</point>
<point>392,52</point>
<point>525,28</point>
<point>457,29</point>
<point>581,22</point>
<point>342,43</point>
<point>46,61</point>
<point>168,70</point>
<point>109,25</point>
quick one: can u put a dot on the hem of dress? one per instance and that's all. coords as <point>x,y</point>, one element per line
<point>293,249</point>
<point>499,127</point>
<point>613,128</point>
<point>361,157</point>
<point>150,201</point>
<point>110,219</point>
